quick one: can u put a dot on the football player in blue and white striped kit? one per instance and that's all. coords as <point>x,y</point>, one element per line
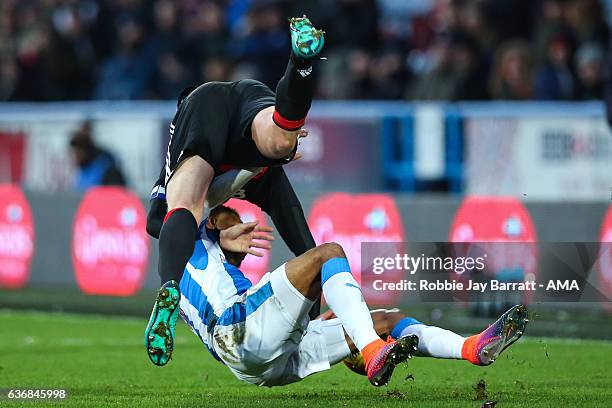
<point>262,332</point>
<point>264,335</point>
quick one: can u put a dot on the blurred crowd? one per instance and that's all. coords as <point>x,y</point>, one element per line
<point>375,49</point>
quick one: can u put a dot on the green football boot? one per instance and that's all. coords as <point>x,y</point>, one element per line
<point>159,335</point>
<point>306,41</point>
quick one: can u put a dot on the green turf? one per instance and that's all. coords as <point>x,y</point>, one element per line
<point>102,362</point>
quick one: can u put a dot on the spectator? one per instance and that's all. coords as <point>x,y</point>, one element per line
<point>590,65</point>
<point>551,23</point>
<point>396,17</point>
<point>170,77</point>
<point>8,78</point>
<point>167,35</point>
<point>376,49</point>
<point>70,43</point>
<point>216,69</point>
<point>440,81</point>
<point>608,89</point>
<point>554,78</point>
<point>95,166</point>
<point>388,76</point>
<point>586,20</point>
<point>206,36</point>
<point>470,67</point>
<point>512,72</point>
<point>31,47</point>
<point>263,47</point>
<point>127,75</point>
<point>359,85</point>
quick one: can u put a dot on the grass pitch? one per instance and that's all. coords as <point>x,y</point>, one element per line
<point>101,362</point>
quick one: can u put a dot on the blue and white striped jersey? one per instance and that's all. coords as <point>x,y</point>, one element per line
<point>213,292</point>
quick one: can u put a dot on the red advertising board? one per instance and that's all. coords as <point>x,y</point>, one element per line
<point>491,221</point>
<point>16,237</point>
<point>253,267</point>
<point>605,258</point>
<point>110,247</point>
<point>350,220</point>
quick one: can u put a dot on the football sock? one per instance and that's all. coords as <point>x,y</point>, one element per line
<point>468,351</point>
<point>371,349</point>
<point>176,243</point>
<point>344,297</point>
<point>294,94</point>
<point>433,341</point>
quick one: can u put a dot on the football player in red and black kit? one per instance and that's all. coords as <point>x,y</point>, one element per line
<point>241,124</point>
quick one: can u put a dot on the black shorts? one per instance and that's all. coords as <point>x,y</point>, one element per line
<point>214,122</point>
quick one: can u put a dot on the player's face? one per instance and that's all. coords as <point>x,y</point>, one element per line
<point>225,220</point>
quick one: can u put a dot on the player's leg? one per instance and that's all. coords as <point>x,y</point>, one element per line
<point>185,193</point>
<point>326,343</point>
<point>198,138</point>
<point>275,129</point>
<point>307,273</point>
<point>344,297</point>
<point>480,349</point>
<point>433,341</point>
<point>339,346</point>
<point>436,342</point>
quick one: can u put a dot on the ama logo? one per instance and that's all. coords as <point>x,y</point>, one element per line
<point>253,267</point>
<point>110,247</point>
<point>351,220</point>
<point>16,237</point>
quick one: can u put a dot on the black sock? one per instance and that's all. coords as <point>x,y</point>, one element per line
<point>294,94</point>
<point>176,244</point>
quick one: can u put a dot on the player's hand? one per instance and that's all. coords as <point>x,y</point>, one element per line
<point>327,315</point>
<point>243,238</point>
<point>302,133</point>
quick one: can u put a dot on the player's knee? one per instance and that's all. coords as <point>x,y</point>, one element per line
<point>195,210</point>
<point>283,145</point>
<point>330,250</point>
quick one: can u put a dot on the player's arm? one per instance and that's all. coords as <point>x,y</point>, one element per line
<point>274,194</point>
<point>289,219</point>
<point>225,185</point>
<point>221,189</point>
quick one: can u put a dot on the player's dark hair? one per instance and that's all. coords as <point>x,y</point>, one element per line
<point>223,209</point>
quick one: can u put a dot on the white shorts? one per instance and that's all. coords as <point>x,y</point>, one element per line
<point>277,343</point>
